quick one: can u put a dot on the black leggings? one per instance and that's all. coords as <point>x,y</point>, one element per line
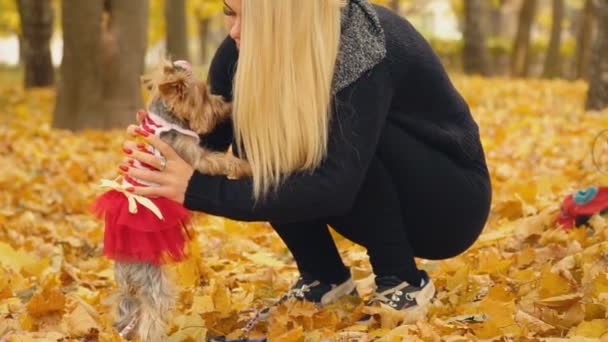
<point>414,201</point>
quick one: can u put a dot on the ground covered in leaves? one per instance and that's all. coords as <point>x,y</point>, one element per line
<point>525,279</point>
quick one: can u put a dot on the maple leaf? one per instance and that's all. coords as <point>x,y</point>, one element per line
<point>524,278</point>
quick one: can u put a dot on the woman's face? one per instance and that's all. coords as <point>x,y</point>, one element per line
<point>232,11</point>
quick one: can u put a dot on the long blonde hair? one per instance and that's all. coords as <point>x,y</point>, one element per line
<point>282,87</point>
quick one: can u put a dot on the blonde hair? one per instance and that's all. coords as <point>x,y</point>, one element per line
<point>282,87</point>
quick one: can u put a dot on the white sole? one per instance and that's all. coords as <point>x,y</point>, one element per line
<point>342,290</point>
<point>423,299</point>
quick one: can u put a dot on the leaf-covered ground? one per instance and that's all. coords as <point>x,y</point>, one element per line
<point>524,279</point>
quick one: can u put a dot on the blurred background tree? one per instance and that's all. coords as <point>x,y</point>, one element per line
<point>177,36</point>
<point>36,18</point>
<point>102,47</point>
<point>598,77</point>
<point>475,54</point>
<point>99,76</point>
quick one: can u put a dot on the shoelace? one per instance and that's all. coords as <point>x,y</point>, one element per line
<point>298,293</point>
<point>394,293</point>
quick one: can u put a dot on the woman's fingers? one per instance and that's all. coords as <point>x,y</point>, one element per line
<point>141,115</point>
<point>151,191</point>
<point>148,176</point>
<point>138,151</point>
<point>165,149</point>
<point>132,130</point>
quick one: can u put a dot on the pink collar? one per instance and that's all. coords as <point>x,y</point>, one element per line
<point>161,125</point>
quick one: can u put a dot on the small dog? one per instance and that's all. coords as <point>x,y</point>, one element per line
<point>186,102</point>
<point>183,105</point>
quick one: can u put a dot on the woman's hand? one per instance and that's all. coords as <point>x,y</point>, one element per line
<point>172,179</point>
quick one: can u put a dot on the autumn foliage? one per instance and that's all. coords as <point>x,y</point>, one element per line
<point>525,279</point>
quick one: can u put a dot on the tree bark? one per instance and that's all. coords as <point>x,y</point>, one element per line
<point>99,86</point>
<point>584,39</point>
<point>177,37</point>
<point>521,56</point>
<point>395,5</point>
<point>204,24</point>
<point>475,55</point>
<point>597,98</point>
<point>35,51</point>
<point>553,60</point>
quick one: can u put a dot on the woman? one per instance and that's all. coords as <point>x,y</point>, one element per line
<point>347,118</point>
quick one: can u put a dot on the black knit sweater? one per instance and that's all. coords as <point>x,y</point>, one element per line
<point>409,88</point>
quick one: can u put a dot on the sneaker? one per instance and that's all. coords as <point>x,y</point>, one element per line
<point>400,295</point>
<point>315,291</point>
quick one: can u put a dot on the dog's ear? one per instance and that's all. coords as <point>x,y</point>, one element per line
<point>213,111</point>
<point>174,87</point>
<point>221,109</point>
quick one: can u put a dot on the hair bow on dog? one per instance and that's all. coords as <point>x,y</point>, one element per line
<point>578,207</point>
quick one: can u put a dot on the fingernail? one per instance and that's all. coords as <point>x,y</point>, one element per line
<point>141,132</point>
<point>141,146</point>
<point>124,168</point>
<point>131,162</point>
<point>131,189</point>
<point>127,150</point>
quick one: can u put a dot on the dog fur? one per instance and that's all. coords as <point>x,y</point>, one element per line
<point>145,292</point>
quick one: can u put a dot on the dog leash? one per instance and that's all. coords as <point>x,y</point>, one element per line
<point>128,328</point>
<point>253,321</point>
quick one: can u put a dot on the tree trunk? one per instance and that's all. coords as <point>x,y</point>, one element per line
<point>521,57</point>
<point>395,5</point>
<point>553,60</point>
<point>35,52</point>
<point>177,37</point>
<point>100,85</point>
<point>21,44</point>
<point>584,39</point>
<point>475,53</point>
<point>597,98</point>
<point>204,24</point>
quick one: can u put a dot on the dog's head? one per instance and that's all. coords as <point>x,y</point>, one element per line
<point>179,97</point>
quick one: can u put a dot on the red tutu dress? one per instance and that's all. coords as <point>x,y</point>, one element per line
<point>138,228</point>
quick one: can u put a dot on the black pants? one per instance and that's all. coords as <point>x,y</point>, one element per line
<point>414,201</point>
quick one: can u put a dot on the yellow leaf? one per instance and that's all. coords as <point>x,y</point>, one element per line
<point>293,335</point>
<point>594,328</point>
<point>80,323</point>
<point>561,301</point>
<point>532,323</point>
<point>221,297</point>
<point>599,285</point>
<point>267,259</point>
<point>202,304</point>
<point>189,328</point>
<point>325,319</point>
<point>15,260</point>
<point>552,284</point>
<point>47,301</point>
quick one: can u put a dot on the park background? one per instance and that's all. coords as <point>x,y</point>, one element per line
<point>534,73</point>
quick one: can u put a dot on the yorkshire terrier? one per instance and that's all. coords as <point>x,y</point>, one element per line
<point>185,103</point>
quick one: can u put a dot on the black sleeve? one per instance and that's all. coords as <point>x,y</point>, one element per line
<point>360,111</point>
<point>221,73</point>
